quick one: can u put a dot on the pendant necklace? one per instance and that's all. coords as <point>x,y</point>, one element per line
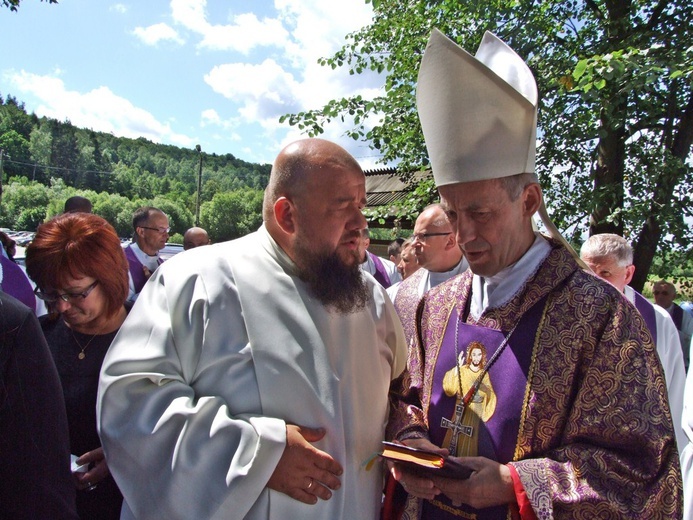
<point>82,355</point>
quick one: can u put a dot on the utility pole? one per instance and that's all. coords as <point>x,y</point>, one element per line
<point>2,173</point>
<point>199,186</point>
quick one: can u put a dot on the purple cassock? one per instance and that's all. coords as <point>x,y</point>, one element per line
<point>136,269</point>
<point>575,402</point>
<point>648,313</point>
<point>15,283</point>
<point>380,271</point>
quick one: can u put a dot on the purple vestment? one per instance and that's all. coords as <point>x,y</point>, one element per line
<point>648,313</point>
<point>15,283</point>
<point>407,301</point>
<point>582,412</point>
<point>380,271</point>
<point>136,269</point>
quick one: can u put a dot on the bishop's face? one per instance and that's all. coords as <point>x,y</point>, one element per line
<point>492,230</point>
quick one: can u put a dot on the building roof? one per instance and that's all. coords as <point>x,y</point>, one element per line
<point>384,187</point>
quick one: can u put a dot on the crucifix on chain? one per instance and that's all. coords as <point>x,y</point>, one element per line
<point>456,427</point>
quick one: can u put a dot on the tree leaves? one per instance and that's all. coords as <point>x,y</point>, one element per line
<point>615,86</point>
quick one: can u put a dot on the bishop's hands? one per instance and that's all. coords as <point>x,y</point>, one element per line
<point>421,487</point>
<point>304,472</point>
<point>489,485</point>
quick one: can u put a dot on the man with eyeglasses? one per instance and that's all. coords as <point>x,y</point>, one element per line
<point>439,257</point>
<point>150,226</point>
<point>664,295</point>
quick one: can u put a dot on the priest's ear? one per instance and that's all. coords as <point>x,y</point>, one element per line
<point>285,215</point>
<point>531,198</point>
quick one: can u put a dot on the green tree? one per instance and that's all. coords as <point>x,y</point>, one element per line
<point>24,204</point>
<point>16,153</point>
<point>64,151</point>
<point>40,144</point>
<point>180,218</point>
<point>616,107</point>
<point>117,210</point>
<point>13,116</point>
<point>232,214</point>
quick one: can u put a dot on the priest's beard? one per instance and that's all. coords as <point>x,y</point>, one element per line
<point>331,280</point>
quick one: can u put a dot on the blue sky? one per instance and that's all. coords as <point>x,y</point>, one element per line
<point>215,72</point>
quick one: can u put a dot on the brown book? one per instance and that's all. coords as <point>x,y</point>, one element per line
<point>425,463</point>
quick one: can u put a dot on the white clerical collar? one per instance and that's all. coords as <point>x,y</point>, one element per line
<point>497,290</point>
<point>432,278</point>
<point>148,260</point>
<point>438,278</point>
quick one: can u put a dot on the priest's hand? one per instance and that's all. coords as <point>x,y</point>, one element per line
<point>304,472</point>
<point>98,469</point>
<point>420,487</point>
<point>489,485</point>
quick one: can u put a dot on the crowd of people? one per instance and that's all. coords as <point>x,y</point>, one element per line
<point>257,378</point>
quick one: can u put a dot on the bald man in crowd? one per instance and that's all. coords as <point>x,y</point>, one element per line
<point>439,258</point>
<point>214,404</point>
<point>195,237</point>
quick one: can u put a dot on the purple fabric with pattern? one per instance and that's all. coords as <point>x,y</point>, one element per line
<point>508,375</point>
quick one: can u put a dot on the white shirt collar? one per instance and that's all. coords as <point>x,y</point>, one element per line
<point>497,290</point>
<point>150,261</point>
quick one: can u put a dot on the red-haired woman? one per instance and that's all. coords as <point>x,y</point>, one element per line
<point>80,270</point>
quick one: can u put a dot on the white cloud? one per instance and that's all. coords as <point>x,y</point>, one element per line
<point>99,109</point>
<point>190,14</point>
<point>119,8</point>
<point>264,91</point>
<point>318,28</point>
<point>246,33</point>
<point>153,34</point>
<point>210,117</point>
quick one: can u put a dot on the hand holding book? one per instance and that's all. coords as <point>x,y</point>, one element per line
<point>425,463</point>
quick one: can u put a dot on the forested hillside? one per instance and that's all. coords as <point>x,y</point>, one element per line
<point>44,161</point>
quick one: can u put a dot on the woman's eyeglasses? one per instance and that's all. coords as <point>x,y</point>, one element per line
<point>66,297</point>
